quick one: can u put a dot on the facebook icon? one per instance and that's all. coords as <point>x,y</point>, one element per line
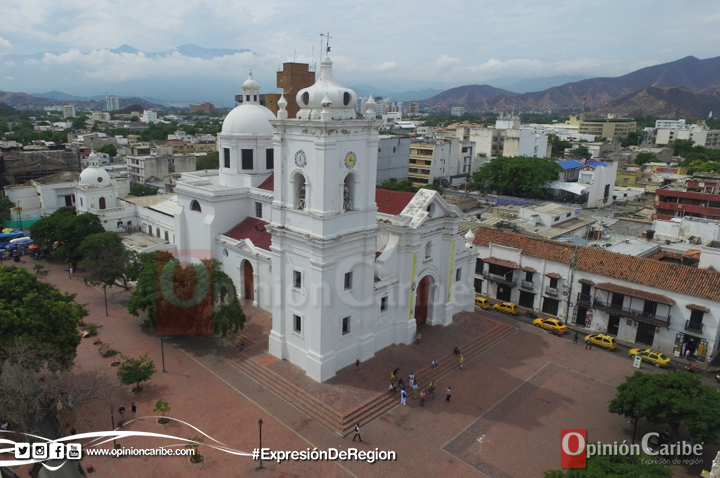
<point>57,451</point>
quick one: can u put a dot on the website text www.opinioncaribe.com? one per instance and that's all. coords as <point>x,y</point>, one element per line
<point>331,454</point>
<point>139,451</point>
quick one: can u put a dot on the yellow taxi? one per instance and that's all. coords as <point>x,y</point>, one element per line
<point>650,356</point>
<point>507,307</point>
<point>551,324</point>
<point>602,340</point>
<point>482,302</point>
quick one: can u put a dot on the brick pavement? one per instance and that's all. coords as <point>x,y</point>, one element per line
<point>562,384</point>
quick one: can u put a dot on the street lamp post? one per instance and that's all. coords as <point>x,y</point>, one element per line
<point>260,422</point>
<point>162,351</point>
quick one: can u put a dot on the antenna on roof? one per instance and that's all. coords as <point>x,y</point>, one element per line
<point>327,42</point>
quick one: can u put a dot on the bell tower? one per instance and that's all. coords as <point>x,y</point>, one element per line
<point>324,226</point>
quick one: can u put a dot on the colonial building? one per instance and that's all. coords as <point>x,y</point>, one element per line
<point>669,306</point>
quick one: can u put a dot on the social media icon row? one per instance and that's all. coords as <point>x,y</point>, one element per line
<point>48,451</point>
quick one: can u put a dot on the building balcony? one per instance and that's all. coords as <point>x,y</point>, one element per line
<point>551,291</point>
<point>510,282</point>
<point>585,299</point>
<point>694,326</point>
<point>687,208</point>
<point>526,284</point>
<point>638,315</point>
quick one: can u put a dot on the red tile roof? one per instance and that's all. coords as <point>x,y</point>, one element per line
<point>253,229</point>
<point>702,283</point>
<point>392,202</point>
<point>640,294</point>
<point>586,281</point>
<point>501,262</point>
<point>554,275</point>
<point>269,183</point>
<point>698,307</point>
<point>535,247</point>
<point>529,269</point>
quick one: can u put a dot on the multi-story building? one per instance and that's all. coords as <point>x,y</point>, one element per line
<point>413,108</point>
<point>669,124</point>
<point>204,107</point>
<point>699,133</point>
<point>457,111</point>
<point>699,197</point>
<point>68,111</point>
<point>112,103</point>
<point>392,161</point>
<point>149,116</point>
<point>293,78</point>
<point>145,169</point>
<point>668,306</point>
<point>605,128</point>
<point>433,159</point>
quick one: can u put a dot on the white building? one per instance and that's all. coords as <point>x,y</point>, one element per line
<point>295,219</point>
<point>700,133</point>
<point>457,111</point>
<point>68,111</point>
<point>393,153</point>
<point>670,307</point>
<point>149,116</point>
<point>112,103</point>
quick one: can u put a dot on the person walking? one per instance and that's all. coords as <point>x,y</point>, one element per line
<point>411,379</point>
<point>588,343</point>
<point>462,361</point>
<point>121,411</point>
<point>133,408</point>
<point>403,396</point>
<point>448,393</point>
<point>434,363</point>
<point>576,338</point>
<point>708,362</point>
<point>422,398</point>
<point>415,391</point>
<point>357,433</point>
<point>357,365</point>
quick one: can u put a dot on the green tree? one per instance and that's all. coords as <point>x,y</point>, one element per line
<point>5,206</point>
<point>80,122</point>
<point>704,167</point>
<point>209,161</point>
<point>393,184</point>
<point>644,158</point>
<point>516,176</point>
<point>105,261</point>
<point>136,371</point>
<point>558,146</point>
<point>163,408</point>
<point>66,229</point>
<point>581,152</point>
<point>605,466</point>
<point>143,190</point>
<point>219,310</point>
<point>37,313</point>
<point>194,443</point>
<point>110,149</point>
<point>633,139</point>
<point>672,399</point>
<point>682,146</point>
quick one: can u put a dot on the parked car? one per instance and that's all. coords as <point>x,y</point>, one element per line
<point>507,307</point>
<point>551,324</point>
<point>482,302</point>
<point>602,340</point>
<point>650,356</point>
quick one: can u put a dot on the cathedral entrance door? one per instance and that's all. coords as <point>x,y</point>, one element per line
<point>422,302</point>
<point>248,282</point>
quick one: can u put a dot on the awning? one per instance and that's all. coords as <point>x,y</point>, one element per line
<point>529,269</point>
<point>640,294</point>
<point>574,188</point>
<point>554,275</point>
<point>586,281</point>
<point>33,246</point>
<point>701,308</point>
<point>501,262</point>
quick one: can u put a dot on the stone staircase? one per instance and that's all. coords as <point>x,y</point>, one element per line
<point>343,423</point>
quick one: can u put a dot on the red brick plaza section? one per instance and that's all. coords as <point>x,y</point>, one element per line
<point>518,389</point>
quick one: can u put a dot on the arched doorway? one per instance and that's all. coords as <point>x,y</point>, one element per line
<point>423,300</point>
<point>248,281</point>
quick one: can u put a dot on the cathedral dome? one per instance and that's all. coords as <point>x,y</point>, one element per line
<point>326,95</point>
<point>250,118</point>
<point>94,177</point>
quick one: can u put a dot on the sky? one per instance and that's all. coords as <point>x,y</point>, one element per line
<point>389,46</point>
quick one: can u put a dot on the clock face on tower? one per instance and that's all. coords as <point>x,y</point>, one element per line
<point>300,158</point>
<point>350,159</point>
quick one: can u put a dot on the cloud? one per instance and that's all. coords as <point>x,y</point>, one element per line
<point>388,65</point>
<point>5,46</point>
<point>9,78</point>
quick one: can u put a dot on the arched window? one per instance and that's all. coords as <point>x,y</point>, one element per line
<point>348,193</point>
<point>195,206</point>
<point>102,203</point>
<point>300,192</point>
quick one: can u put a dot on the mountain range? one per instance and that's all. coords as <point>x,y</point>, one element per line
<point>687,87</point>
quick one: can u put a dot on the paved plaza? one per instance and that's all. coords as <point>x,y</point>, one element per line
<point>508,404</point>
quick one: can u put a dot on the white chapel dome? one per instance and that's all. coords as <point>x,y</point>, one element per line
<point>326,94</point>
<point>94,177</point>
<point>249,118</point>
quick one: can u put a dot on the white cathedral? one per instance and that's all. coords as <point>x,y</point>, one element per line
<point>295,219</point>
